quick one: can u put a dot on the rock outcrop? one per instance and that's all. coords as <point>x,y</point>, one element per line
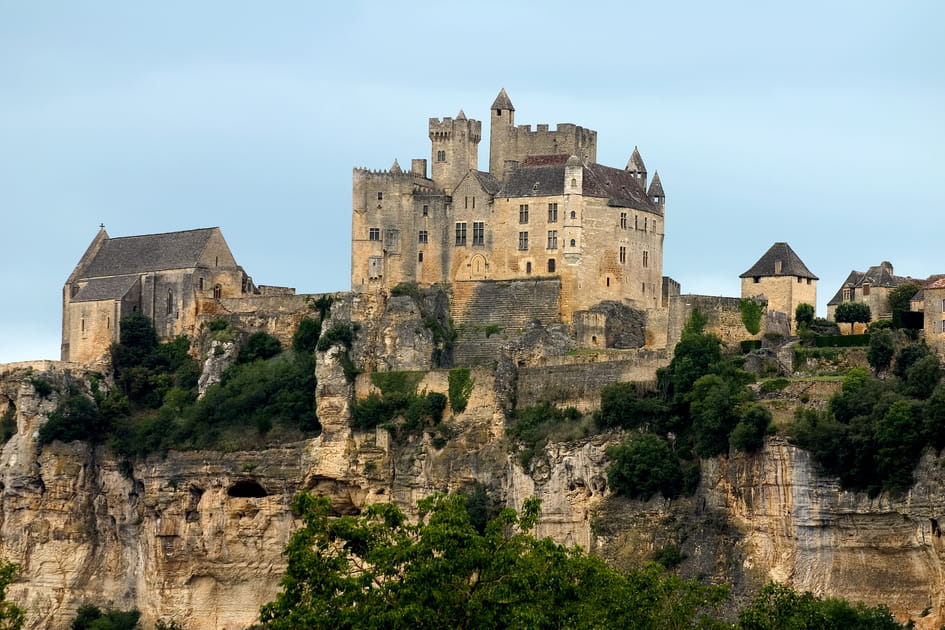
<point>196,537</point>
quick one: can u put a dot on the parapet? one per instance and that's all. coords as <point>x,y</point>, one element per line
<point>445,128</point>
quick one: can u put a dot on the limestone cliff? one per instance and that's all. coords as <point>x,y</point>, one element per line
<point>197,536</point>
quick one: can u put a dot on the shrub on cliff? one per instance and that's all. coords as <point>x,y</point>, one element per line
<point>779,606</point>
<point>12,617</point>
<point>643,465</point>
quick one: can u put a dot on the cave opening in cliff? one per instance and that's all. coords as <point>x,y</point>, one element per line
<point>247,489</point>
<point>936,530</point>
<point>7,419</point>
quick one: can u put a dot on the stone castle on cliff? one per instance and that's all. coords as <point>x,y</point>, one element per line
<point>545,208</point>
<point>545,234</point>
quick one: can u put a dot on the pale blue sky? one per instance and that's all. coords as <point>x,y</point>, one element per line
<point>815,123</point>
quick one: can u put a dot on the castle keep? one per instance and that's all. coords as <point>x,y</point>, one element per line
<point>544,210</point>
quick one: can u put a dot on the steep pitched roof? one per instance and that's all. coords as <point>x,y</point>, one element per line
<point>619,186</point>
<point>150,252</point>
<point>635,163</point>
<point>544,175</point>
<point>488,182</point>
<point>656,188</point>
<point>502,101</point>
<point>106,289</point>
<point>791,264</point>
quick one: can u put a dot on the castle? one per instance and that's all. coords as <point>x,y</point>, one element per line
<point>544,209</point>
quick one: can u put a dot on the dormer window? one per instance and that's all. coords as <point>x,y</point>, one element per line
<point>777,267</point>
<point>866,290</point>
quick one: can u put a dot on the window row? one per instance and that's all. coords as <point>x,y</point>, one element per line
<point>552,213</point>
<point>624,222</point>
<point>478,233</point>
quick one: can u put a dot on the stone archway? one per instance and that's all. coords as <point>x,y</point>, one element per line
<point>478,267</point>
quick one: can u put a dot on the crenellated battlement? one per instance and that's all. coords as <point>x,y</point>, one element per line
<point>445,128</point>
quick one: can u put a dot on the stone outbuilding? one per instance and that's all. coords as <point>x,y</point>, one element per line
<point>870,287</point>
<point>782,278</point>
<point>171,277</point>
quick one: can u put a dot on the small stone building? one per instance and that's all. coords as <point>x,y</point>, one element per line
<point>172,278</point>
<point>782,278</point>
<point>872,288</point>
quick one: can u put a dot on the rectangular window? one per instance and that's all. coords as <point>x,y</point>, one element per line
<point>623,255</point>
<point>645,221</point>
<point>523,241</point>
<point>646,259</point>
<point>426,210</point>
<point>552,239</point>
<point>523,213</point>
<point>441,156</point>
<point>866,290</point>
<point>423,237</point>
<point>623,220</point>
<point>479,233</point>
<point>461,233</point>
<point>380,196</point>
<point>374,234</point>
<point>552,213</point>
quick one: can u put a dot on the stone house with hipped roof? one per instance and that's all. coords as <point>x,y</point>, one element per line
<point>545,212</point>
<point>782,278</point>
<point>871,287</point>
<point>172,278</point>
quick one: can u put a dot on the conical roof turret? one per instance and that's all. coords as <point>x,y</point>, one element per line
<point>395,167</point>
<point>635,163</point>
<point>656,188</point>
<point>461,115</point>
<point>502,101</point>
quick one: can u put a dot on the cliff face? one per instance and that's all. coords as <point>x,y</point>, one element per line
<point>197,536</point>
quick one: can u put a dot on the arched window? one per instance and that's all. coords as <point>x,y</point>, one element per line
<point>217,291</point>
<point>573,243</point>
<point>573,214</point>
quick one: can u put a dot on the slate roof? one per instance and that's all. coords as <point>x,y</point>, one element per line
<point>502,101</point>
<point>150,252</point>
<point>656,187</point>
<point>635,163</point>
<point>105,289</point>
<point>488,182</point>
<point>880,276</point>
<point>791,264</point>
<point>544,175</point>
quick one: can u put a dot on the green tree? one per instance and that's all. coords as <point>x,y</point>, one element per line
<point>907,356</point>
<point>852,313</point>
<point>778,607</point>
<point>899,440</point>
<point>306,335</point>
<point>91,617</point>
<point>714,400</point>
<point>623,405</point>
<point>378,570</point>
<point>751,312</point>
<point>900,301</point>
<point>749,434</point>
<point>12,617</point>
<point>881,351</point>
<point>259,345</point>
<point>643,465</point>
<point>804,315</point>
<point>923,377</point>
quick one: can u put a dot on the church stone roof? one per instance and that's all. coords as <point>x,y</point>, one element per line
<point>105,289</point>
<point>791,264</point>
<point>502,101</point>
<point>150,252</point>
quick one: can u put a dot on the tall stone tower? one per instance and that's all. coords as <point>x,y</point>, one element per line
<point>500,133</point>
<point>455,149</point>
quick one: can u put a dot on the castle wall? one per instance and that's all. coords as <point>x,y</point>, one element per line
<point>576,383</point>
<point>723,315</point>
<point>518,143</point>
